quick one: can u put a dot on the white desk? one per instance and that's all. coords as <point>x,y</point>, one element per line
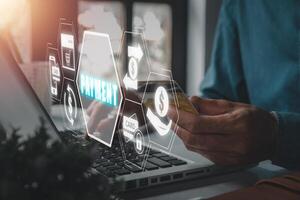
<point>209,187</point>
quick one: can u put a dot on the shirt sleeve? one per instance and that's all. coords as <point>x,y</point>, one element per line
<point>224,78</point>
<point>288,151</point>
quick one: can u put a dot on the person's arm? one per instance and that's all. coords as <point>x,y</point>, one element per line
<point>224,78</point>
<point>288,140</point>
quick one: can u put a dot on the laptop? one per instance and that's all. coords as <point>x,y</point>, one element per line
<point>18,101</point>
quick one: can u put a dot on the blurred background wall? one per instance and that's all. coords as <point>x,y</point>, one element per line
<point>179,34</point>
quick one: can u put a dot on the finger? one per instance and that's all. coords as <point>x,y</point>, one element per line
<point>99,112</point>
<point>132,95</point>
<point>206,152</point>
<point>198,124</point>
<point>211,106</point>
<point>90,108</point>
<point>208,142</point>
<point>221,158</point>
<point>105,126</point>
<point>174,127</point>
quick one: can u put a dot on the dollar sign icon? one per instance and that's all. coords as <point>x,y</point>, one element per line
<point>70,104</point>
<point>133,68</point>
<point>69,100</point>
<point>161,101</point>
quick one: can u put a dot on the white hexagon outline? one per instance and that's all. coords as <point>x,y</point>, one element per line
<point>177,105</point>
<point>64,21</point>
<point>148,147</point>
<point>64,78</point>
<point>118,80</point>
<point>61,102</point>
<point>170,77</point>
<point>146,54</point>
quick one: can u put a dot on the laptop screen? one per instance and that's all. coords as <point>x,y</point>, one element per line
<point>19,106</point>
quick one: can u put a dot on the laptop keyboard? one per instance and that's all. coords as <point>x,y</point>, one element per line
<point>110,162</point>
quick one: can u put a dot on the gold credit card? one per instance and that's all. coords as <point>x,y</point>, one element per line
<point>185,104</point>
<point>182,101</point>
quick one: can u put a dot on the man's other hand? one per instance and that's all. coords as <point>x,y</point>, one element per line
<point>227,133</point>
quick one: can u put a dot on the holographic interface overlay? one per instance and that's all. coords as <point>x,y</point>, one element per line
<point>99,90</point>
<point>133,135</point>
<point>71,109</point>
<point>65,109</point>
<point>159,96</point>
<point>56,74</point>
<point>99,87</point>
<point>68,48</point>
<point>133,57</point>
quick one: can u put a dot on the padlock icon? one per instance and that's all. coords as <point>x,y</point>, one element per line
<point>139,142</point>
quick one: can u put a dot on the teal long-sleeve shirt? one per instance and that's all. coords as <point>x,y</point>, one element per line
<point>256,60</point>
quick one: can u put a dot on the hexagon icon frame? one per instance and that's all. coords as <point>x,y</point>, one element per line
<point>123,143</point>
<point>123,62</point>
<point>51,47</point>
<point>106,36</point>
<point>79,119</point>
<point>63,22</point>
<point>172,133</point>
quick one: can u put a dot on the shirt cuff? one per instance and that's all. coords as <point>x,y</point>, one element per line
<point>275,135</point>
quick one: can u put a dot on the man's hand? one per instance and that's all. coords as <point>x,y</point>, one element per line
<point>98,120</point>
<point>227,133</point>
<point>100,117</point>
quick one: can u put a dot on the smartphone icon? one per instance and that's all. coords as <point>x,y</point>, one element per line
<point>67,40</point>
<point>55,76</point>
